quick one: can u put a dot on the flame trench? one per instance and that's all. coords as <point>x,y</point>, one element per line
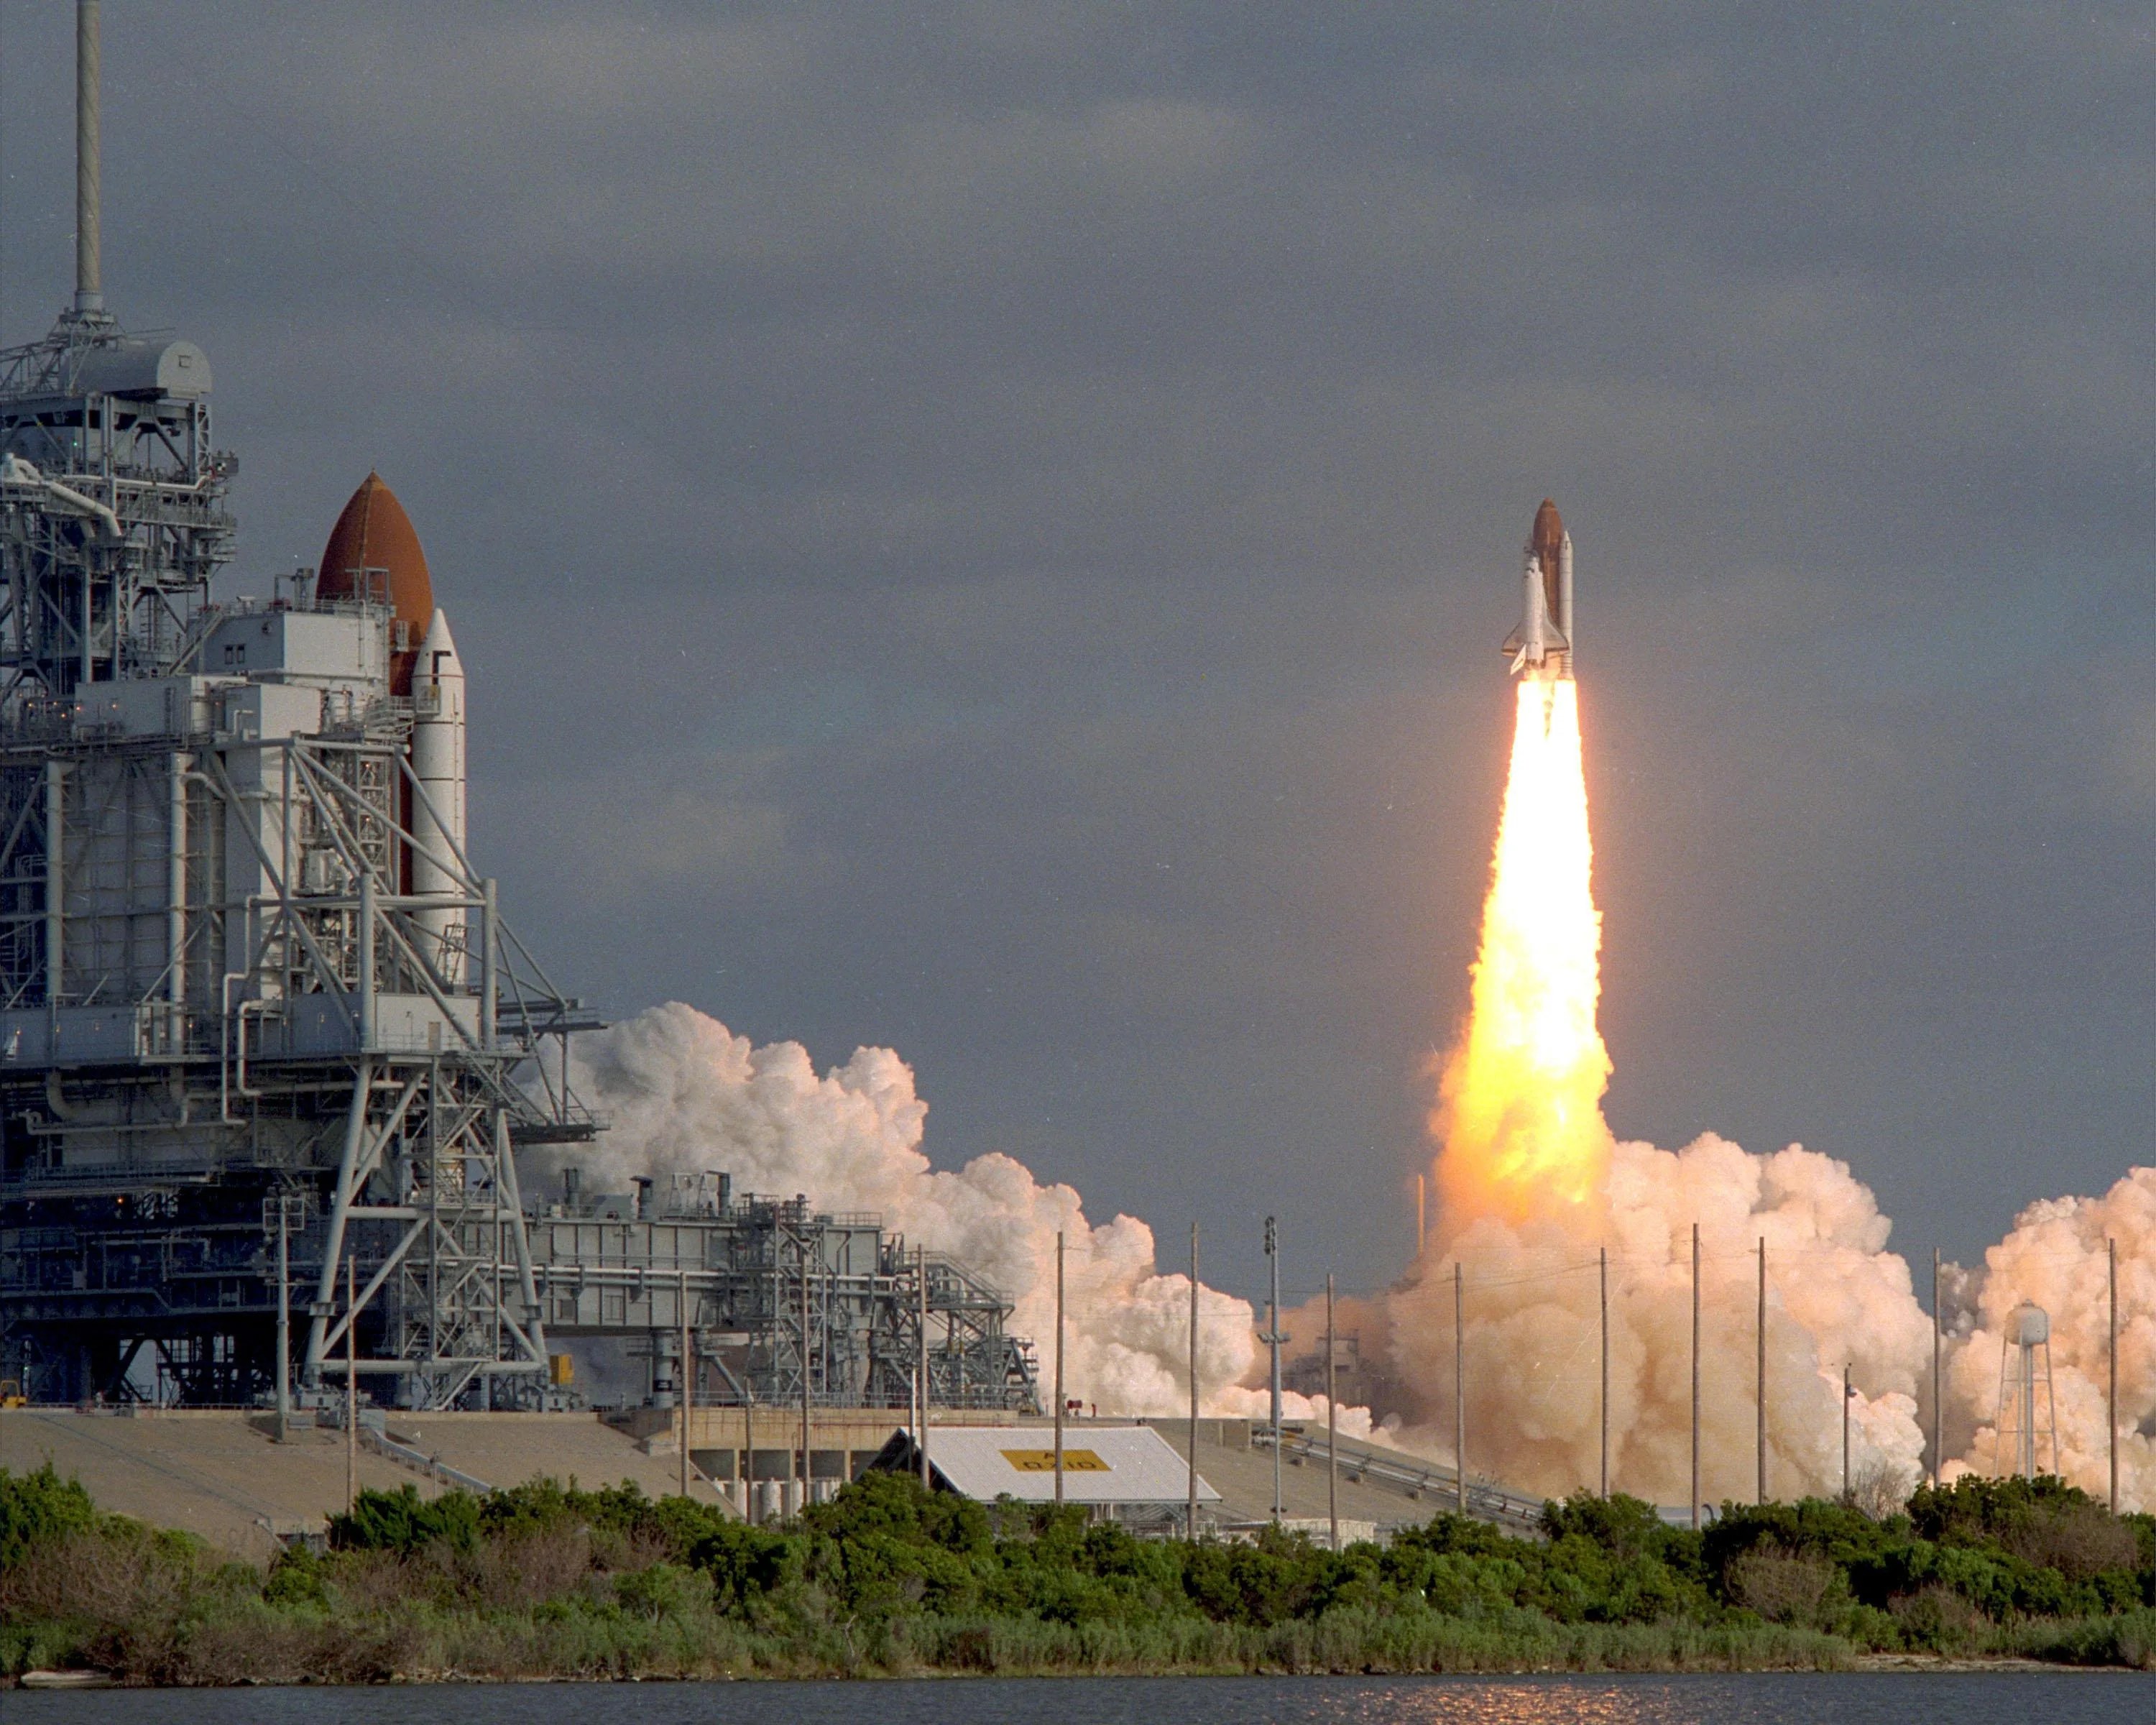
<point>1519,1116</point>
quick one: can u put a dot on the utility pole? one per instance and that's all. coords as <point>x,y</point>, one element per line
<point>688,1379</point>
<point>1695,1376</point>
<point>351,1384</point>
<point>284,1320</point>
<point>1939,1409</point>
<point>1845,1394</point>
<point>1331,1420</point>
<point>1190,1514</point>
<point>807,1389</point>
<point>748,1449</point>
<point>1058,1366</point>
<point>1759,1493</point>
<point>1605,1374</point>
<point>2111,1253</point>
<point>913,1402</point>
<point>1273,1342</point>
<point>1459,1388</point>
<point>921,1274</point>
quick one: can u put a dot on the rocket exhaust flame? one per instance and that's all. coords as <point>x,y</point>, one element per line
<point>1520,1113</point>
<point>1533,1183</point>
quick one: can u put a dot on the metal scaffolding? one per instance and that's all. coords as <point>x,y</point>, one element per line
<point>263,1025</point>
<point>217,988</point>
<point>776,1291</point>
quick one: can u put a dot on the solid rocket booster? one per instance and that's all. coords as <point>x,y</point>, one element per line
<point>437,814</point>
<point>1544,639</point>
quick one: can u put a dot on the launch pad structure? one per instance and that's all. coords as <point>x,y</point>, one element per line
<point>262,1023</point>
<point>778,1298</point>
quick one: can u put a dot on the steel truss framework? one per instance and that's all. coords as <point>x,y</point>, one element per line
<point>777,1291</point>
<point>215,993</point>
<point>115,526</point>
<point>219,1001</point>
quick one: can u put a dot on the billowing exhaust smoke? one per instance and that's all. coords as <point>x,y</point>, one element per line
<point>2056,1258</point>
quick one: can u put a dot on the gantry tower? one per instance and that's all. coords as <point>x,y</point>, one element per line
<point>255,999</point>
<point>268,1045</point>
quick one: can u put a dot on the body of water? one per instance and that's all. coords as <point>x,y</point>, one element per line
<point>2055,1697</point>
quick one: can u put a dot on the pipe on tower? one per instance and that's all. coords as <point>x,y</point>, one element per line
<point>176,902</point>
<point>55,893</point>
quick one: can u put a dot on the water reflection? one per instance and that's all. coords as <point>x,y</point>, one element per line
<point>2099,1698</point>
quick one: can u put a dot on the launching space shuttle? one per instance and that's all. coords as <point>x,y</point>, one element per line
<point>1544,640</point>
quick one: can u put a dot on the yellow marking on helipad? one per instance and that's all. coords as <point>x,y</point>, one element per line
<point>1044,1461</point>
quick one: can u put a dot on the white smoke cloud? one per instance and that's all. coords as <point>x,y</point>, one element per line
<point>1532,1331</point>
<point>685,1094</point>
<point>2055,1258</point>
<point>1835,1296</point>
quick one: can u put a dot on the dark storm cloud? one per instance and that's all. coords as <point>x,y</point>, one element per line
<point>984,527</point>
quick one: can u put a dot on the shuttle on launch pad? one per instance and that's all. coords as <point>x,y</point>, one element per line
<point>373,557</point>
<point>269,1049</point>
<point>1544,641</point>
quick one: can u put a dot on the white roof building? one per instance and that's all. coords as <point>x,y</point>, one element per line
<point>1121,1469</point>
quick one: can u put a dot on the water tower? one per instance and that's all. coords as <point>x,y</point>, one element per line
<point>2020,1423</point>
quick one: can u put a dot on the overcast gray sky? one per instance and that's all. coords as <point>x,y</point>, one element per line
<point>985,529</point>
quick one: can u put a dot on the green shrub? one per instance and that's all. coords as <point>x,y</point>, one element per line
<point>745,1561</point>
<point>297,1578</point>
<point>1938,1619</point>
<point>39,1508</point>
<point>1812,1527</point>
<point>1872,1628</point>
<point>1787,1587</point>
<point>551,1580</point>
<point>663,1590</point>
<point>1624,1527</point>
<point>404,1522</point>
<point>1974,1510</point>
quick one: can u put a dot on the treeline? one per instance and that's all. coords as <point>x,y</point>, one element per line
<point>550,1580</point>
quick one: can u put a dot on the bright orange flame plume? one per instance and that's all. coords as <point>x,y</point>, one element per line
<point>1520,1111</point>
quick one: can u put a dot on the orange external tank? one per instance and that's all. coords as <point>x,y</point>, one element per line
<point>374,553</point>
<point>1545,544</point>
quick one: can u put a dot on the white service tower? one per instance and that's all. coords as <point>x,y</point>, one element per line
<point>438,865</point>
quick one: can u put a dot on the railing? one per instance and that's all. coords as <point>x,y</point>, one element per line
<point>419,1461</point>
<point>1411,1477</point>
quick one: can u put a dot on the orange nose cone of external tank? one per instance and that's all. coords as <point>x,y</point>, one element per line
<point>374,553</point>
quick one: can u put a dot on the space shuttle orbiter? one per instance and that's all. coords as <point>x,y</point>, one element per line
<point>1544,641</point>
